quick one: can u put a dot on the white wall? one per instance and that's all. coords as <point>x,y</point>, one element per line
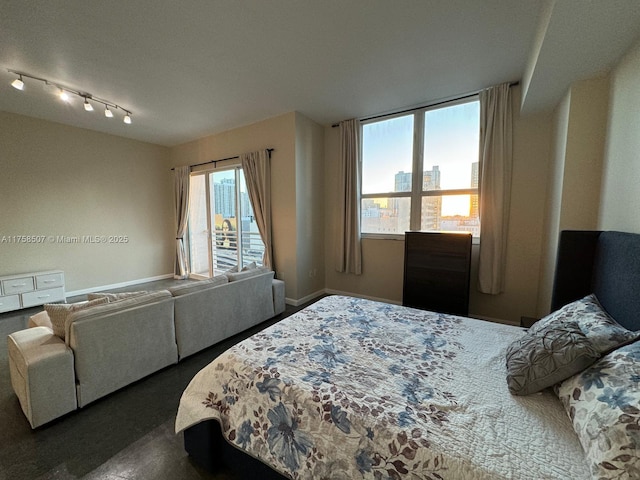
<point>64,181</point>
<point>621,172</point>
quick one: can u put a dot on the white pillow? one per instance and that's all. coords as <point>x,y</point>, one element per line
<point>58,312</point>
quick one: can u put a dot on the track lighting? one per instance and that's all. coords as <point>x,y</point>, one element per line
<point>65,94</point>
<point>18,83</point>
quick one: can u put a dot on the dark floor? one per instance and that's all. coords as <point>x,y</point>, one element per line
<point>126,435</point>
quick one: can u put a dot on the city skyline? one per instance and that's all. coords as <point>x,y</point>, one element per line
<point>438,212</point>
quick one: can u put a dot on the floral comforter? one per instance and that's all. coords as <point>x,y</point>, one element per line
<point>352,388</point>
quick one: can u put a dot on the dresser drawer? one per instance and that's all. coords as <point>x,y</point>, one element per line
<point>11,302</point>
<point>49,280</point>
<point>17,285</point>
<point>40,297</point>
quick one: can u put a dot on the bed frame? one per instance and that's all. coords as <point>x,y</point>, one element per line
<point>604,263</point>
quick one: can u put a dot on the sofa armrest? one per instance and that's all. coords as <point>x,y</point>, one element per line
<point>42,375</point>
<point>278,296</point>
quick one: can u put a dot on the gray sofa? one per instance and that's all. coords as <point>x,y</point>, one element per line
<point>110,345</point>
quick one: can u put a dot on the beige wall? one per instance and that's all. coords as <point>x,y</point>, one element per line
<point>309,207</point>
<point>621,177</point>
<point>573,203</point>
<point>383,259</point>
<point>553,204</point>
<point>64,181</point>
<point>278,133</point>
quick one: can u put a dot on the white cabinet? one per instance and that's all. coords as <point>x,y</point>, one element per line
<point>31,289</point>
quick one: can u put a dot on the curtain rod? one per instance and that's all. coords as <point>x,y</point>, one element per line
<point>223,159</point>
<point>462,97</point>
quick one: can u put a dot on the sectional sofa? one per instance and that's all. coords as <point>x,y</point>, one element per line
<point>76,354</point>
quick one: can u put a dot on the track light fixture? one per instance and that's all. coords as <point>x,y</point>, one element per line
<point>18,83</point>
<point>87,106</point>
<point>66,92</point>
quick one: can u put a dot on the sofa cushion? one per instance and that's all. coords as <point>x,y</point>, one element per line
<point>191,287</point>
<point>112,297</point>
<point>58,313</point>
<point>40,319</point>
<point>234,277</point>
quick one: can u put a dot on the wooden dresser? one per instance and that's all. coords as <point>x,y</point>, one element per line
<point>437,271</point>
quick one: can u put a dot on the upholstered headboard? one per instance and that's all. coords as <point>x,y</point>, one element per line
<point>605,263</point>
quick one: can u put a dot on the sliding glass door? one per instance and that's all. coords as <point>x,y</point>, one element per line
<point>222,229</point>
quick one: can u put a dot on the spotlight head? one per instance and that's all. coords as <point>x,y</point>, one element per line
<point>18,84</point>
<point>107,113</point>
<point>127,119</point>
<point>87,106</point>
<point>64,96</point>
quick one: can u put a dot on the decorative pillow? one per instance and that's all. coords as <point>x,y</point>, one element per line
<point>112,297</point>
<point>249,266</point>
<point>603,331</point>
<point>191,287</point>
<point>603,403</point>
<point>234,277</point>
<point>546,356</point>
<point>58,313</point>
<point>40,319</point>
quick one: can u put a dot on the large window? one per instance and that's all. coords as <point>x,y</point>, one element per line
<point>223,232</point>
<point>442,145</point>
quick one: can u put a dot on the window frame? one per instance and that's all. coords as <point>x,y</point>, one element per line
<point>212,232</point>
<point>416,194</point>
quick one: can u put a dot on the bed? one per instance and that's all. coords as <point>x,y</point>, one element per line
<point>352,388</point>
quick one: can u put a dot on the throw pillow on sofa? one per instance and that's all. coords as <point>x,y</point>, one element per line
<point>58,313</point>
<point>112,297</point>
<point>40,319</point>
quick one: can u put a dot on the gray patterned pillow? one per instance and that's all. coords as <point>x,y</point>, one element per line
<point>603,331</point>
<point>58,313</point>
<point>603,403</point>
<point>546,356</point>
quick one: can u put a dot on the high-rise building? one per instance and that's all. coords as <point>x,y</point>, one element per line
<point>431,179</point>
<point>402,182</point>
<point>225,198</point>
<point>474,209</point>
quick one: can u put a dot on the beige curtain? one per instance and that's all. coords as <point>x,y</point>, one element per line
<point>495,185</point>
<point>257,173</point>
<point>349,252</point>
<point>181,197</point>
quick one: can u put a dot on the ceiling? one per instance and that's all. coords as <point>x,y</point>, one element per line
<point>187,69</point>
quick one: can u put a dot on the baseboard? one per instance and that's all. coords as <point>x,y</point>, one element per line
<point>305,299</point>
<point>118,285</point>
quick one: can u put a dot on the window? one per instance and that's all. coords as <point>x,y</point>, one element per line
<point>222,229</point>
<point>440,142</point>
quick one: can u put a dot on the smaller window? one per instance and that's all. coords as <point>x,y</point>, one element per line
<point>440,142</point>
